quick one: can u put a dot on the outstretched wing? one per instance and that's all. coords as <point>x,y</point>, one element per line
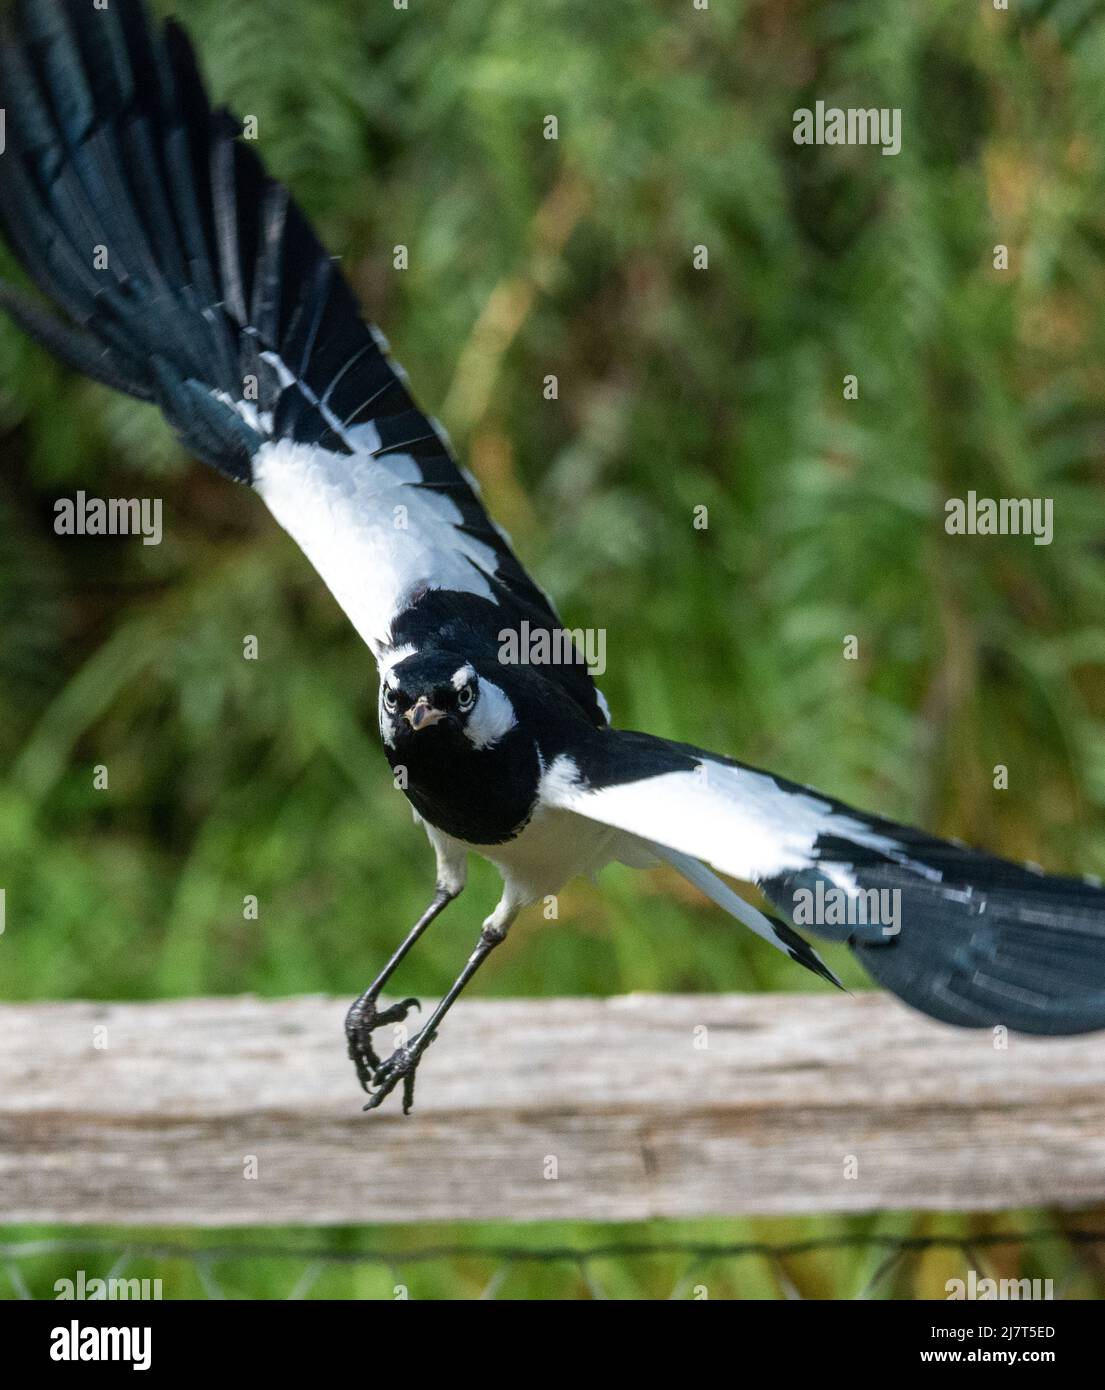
<point>184,275</point>
<point>962,936</point>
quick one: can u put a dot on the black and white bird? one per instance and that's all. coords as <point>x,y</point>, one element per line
<point>216,302</point>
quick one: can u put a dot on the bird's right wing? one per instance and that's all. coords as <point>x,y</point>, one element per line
<point>963,936</point>
<point>181,273</point>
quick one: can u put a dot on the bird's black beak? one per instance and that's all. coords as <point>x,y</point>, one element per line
<point>422,714</point>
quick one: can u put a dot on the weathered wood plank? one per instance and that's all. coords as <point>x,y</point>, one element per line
<point>537,1109</point>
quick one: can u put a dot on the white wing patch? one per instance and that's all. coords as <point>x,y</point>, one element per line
<point>374,539</point>
<point>738,820</point>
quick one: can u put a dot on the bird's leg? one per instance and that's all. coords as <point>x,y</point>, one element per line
<point>403,1062</point>
<point>364,1016</point>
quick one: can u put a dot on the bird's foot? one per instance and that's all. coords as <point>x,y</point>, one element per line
<point>400,1066</point>
<point>360,1022</point>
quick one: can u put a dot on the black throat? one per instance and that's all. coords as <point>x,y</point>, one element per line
<point>481,796</point>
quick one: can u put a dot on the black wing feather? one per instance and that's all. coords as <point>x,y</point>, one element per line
<point>214,276</point>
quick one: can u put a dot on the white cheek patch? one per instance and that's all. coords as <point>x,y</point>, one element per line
<point>492,716</point>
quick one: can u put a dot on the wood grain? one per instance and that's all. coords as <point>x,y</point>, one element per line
<point>588,1109</point>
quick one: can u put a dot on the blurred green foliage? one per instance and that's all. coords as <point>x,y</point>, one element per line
<point>678,388</point>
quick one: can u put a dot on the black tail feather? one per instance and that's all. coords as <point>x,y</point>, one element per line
<point>963,936</point>
<point>802,953</point>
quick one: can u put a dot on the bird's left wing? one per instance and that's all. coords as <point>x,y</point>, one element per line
<point>964,936</point>
<point>186,276</point>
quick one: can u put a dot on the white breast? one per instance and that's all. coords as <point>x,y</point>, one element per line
<point>555,847</point>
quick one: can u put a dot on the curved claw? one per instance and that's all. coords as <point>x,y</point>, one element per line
<point>397,1012</point>
<point>360,1022</point>
<point>400,1066</point>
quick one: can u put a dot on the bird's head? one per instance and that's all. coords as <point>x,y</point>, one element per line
<point>436,695</point>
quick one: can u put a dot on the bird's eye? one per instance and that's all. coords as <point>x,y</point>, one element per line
<point>391,700</point>
<point>466,697</point>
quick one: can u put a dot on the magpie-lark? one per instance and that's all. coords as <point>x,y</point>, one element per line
<point>216,302</point>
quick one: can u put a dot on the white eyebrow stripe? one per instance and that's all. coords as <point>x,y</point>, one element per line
<point>462,676</point>
<point>393,656</point>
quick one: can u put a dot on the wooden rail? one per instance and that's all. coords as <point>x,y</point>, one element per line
<point>245,1111</point>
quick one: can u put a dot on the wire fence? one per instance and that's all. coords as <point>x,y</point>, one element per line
<point>677,1269</point>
